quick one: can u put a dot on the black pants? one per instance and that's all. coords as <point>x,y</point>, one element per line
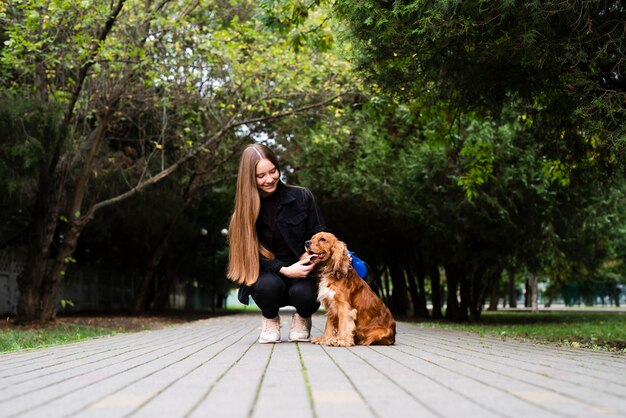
<point>273,291</point>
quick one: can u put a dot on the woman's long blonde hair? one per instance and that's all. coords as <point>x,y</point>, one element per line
<point>243,259</point>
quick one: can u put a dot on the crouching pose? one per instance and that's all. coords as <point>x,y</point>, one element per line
<point>270,223</point>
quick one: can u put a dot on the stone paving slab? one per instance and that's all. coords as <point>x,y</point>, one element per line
<point>215,367</point>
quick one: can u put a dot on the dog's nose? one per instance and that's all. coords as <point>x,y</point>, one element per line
<point>307,244</point>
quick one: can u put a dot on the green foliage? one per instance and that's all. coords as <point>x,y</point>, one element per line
<point>480,138</point>
<point>478,156</point>
<point>30,130</point>
<point>191,72</point>
<point>472,191</point>
<point>301,21</point>
<point>505,141</point>
<point>149,88</point>
<point>562,59</point>
<point>66,302</point>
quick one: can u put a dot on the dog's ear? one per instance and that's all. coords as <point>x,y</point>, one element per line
<point>341,262</point>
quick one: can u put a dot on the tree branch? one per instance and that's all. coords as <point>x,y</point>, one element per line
<point>192,153</point>
<point>84,69</point>
<point>288,113</point>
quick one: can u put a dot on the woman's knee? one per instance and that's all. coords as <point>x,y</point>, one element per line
<point>303,296</point>
<point>268,287</point>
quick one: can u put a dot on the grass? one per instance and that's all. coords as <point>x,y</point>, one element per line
<point>20,338</point>
<point>595,330</point>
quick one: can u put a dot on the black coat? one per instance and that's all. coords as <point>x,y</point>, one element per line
<point>297,218</point>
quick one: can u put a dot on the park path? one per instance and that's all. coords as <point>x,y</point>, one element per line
<point>215,368</point>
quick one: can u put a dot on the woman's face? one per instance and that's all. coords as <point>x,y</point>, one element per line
<point>266,177</point>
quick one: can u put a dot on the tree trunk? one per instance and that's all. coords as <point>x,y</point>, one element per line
<point>512,289</point>
<point>534,295</point>
<point>435,285</point>
<point>494,299</point>
<point>51,287</point>
<point>552,292</point>
<point>29,282</point>
<point>193,185</point>
<point>423,308</point>
<point>54,280</point>
<point>452,300</point>
<point>399,299</point>
<point>165,288</point>
<point>40,237</point>
<point>465,286</point>
<point>413,292</point>
<point>384,286</point>
<point>421,278</point>
<point>139,303</point>
<point>37,296</point>
<point>376,282</point>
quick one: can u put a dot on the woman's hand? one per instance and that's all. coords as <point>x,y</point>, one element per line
<point>298,270</point>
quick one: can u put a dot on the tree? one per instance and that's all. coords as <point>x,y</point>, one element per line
<point>513,108</point>
<point>179,78</point>
<point>30,130</point>
<point>563,59</point>
<point>475,196</point>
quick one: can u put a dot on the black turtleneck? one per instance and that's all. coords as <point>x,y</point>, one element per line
<point>267,218</point>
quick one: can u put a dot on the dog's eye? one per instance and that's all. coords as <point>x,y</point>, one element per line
<point>322,239</point>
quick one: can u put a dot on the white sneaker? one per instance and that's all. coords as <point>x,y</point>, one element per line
<point>300,328</point>
<point>270,330</point>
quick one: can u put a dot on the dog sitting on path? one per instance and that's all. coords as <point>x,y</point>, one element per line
<point>355,315</point>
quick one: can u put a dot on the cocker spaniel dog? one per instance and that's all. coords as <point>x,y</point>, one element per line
<point>355,315</point>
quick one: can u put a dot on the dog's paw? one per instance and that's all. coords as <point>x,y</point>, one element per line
<point>324,341</point>
<point>344,342</point>
<point>332,342</point>
<point>341,342</point>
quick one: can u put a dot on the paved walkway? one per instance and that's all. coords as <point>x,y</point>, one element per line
<point>215,368</point>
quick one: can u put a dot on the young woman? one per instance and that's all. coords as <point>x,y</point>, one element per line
<point>269,226</point>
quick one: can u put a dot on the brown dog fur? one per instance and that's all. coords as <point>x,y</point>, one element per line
<point>356,316</point>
